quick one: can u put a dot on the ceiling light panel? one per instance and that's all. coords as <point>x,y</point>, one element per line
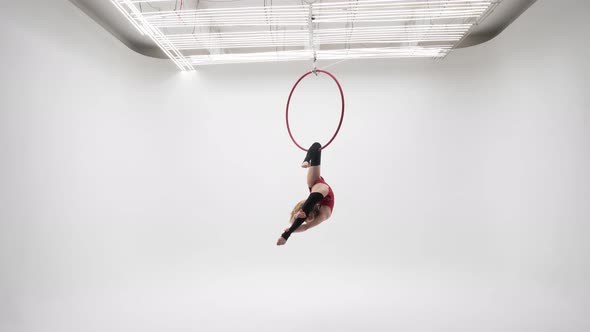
<point>194,33</point>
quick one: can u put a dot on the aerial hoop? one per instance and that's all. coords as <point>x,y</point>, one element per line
<point>315,71</point>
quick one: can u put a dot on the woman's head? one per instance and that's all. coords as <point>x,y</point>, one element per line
<point>314,212</point>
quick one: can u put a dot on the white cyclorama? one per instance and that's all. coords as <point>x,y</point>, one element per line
<point>319,31</point>
<point>138,198</point>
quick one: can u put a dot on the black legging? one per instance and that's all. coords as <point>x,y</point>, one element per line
<point>314,154</point>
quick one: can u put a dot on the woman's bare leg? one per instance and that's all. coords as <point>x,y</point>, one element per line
<point>313,174</point>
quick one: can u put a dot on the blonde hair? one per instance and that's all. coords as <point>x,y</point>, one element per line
<point>314,212</point>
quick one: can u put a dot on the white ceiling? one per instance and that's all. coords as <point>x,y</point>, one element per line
<point>485,26</point>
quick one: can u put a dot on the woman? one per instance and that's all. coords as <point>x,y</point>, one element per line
<point>320,203</point>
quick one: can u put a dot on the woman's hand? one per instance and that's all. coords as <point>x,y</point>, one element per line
<point>301,214</point>
<point>281,241</point>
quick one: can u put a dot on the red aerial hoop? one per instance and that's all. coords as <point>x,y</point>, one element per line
<point>289,101</point>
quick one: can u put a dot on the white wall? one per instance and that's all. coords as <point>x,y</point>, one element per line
<point>137,198</point>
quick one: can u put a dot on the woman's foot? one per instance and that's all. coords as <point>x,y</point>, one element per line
<point>313,156</point>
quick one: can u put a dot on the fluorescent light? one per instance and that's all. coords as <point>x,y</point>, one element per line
<point>435,51</point>
<point>351,29</point>
<point>380,34</point>
<point>363,11</point>
<point>156,35</point>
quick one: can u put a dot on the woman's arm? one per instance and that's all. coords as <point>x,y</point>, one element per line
<point>312,200</point>
<point>310,222</point>
<point>318,192</point>
<point>303,226</point>
<point>321,217</point>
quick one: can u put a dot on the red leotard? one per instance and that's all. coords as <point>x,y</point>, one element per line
<point>329,199</point>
